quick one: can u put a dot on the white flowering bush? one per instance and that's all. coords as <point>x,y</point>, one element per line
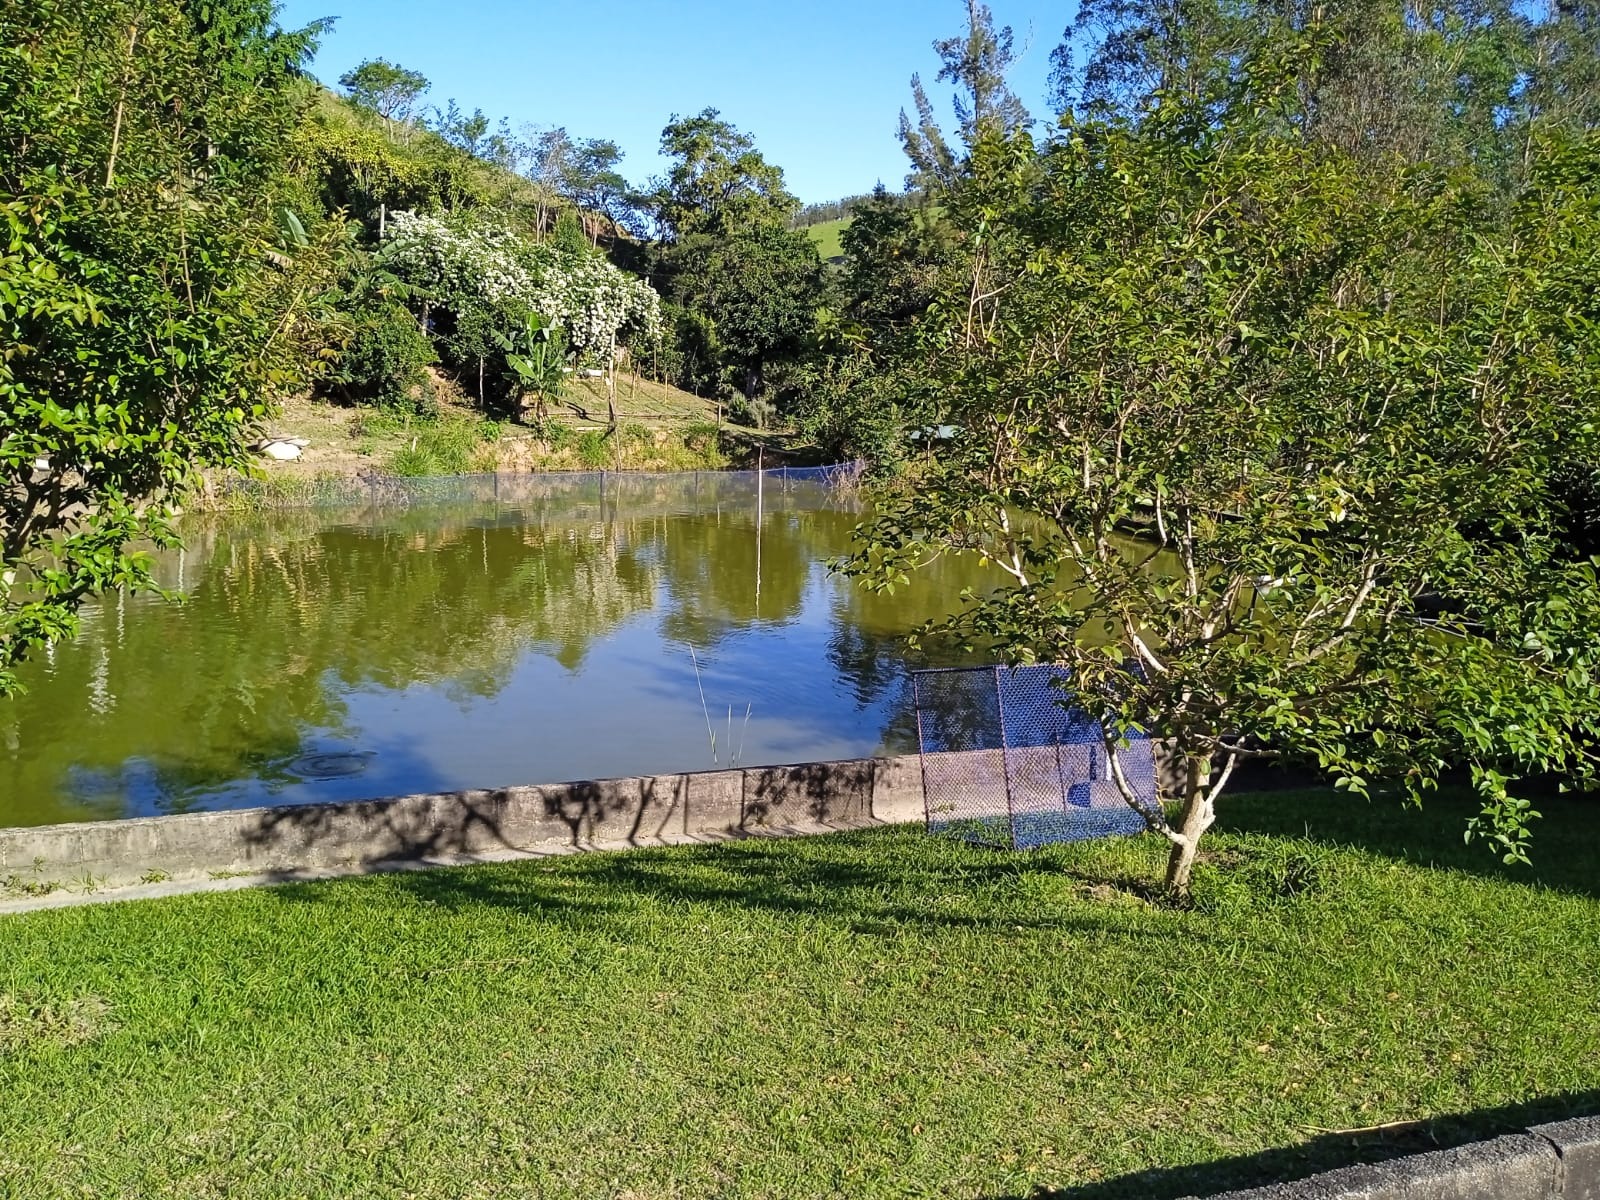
<point>479,270</point>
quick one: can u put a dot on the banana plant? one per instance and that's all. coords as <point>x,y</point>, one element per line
<point>537,353</point>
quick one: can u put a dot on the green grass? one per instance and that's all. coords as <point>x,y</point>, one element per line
<point>875,1014</point>
<point>445,445</point>
<point>826,234</point>
<point>637,400</point>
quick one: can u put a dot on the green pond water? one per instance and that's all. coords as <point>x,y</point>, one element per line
<point>519,630</point>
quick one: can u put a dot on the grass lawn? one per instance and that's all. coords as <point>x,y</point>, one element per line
<point>826,235</point>
<point>873,1014</point>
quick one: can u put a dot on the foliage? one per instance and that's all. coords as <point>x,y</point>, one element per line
<point>155,294</point>
<point>757,288</point>
<point>748,283</point>
<point>488,293</point>
<point>446,446</point>
<point>854,406</point>
<point>1330,398</point>
<point>568,234</point>
<point>385,359</point>
<point>471,266</point>
<point>537,356</point>
<point>976,61</point>
<point>718,182</point>
<point>893,259</point>
<point>1459,83</point>
<point>349,164</point>
<point>386,88</point>
<point>470,135</point>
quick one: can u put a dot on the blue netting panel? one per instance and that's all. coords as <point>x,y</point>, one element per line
<point>1006,761</point>
<point>963,755</point>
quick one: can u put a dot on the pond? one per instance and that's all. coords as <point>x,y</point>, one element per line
<point>500,631</point>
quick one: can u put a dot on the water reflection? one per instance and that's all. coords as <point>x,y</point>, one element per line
<point>480,640</point>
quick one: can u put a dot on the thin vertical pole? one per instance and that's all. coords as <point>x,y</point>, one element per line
<point>1005,760</point>
<point>759,504</point>
<point>1061,774</point>
<point>922,754</point>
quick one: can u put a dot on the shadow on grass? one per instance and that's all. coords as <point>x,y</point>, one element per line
<point>879,883</point>
<point>1565,849</point>
<point>1326,1152</point>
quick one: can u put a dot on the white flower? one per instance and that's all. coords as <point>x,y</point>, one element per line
<point>465,265</point>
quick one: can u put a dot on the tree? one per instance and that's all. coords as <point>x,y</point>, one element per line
<point>976,61</point>
<point>470,135</point>
<point>893,256</point>
<point>386,88</point>
<point>760,289</point>
<point>750,284</point>
<point>596,186</point>
<point>484,281</point>
<point>718,182</point>
<point>550,167</point>
<point>153,285</point>
<point>1262,439</point>
<point>1459,85</point>
<point>538,355</point>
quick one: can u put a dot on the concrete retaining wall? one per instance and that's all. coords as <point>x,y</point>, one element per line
<point>455,825</point>
<point>1548,1162</point>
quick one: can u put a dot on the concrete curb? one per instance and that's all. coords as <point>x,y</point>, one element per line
<point>87,862</point>
<point>1548,1162</point>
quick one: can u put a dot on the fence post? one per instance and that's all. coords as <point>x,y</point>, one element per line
<point>922,753</point>
<point>1005,761</point>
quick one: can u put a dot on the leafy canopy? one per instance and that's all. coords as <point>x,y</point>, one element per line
<point>153,285</point>
<point>388,89</point>
<point>1262,436</point>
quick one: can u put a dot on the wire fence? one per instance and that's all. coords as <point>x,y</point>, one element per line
<point>329,491</point>
<point>1008,761</point>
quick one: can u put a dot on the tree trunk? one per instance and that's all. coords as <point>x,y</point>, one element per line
<point>1197,815</point>
<point>122,99</point>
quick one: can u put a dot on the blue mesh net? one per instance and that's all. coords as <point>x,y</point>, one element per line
<point>389,490</point>
<point>1007,760</point>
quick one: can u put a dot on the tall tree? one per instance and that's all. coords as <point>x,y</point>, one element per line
<point>751,284</point>
<point>386,88</point>
<point>153,285</point>
<point>760,288</point>
<point>596,186</point>
<point>718,182</point>
<point>469,134</point>
<point>548,166</point>
<point>1459,85</point>
<point>976,61</point>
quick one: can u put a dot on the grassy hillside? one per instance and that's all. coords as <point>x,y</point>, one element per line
<point>640,400</point>
<point>357,158</point>
<point>826,234</point>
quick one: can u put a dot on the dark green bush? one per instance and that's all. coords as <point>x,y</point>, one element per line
<point>385,360</point>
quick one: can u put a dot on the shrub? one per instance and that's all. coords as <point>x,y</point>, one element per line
<point>447,447</point>
<point>592,449</point>
<point>385,359</point>
<point>756,413</point>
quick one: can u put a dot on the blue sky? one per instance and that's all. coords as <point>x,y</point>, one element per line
<point>820,84</point>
